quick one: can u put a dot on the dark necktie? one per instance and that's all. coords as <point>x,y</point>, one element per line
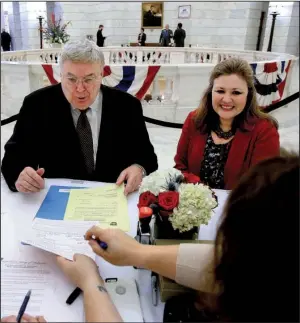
<point>86,140</point>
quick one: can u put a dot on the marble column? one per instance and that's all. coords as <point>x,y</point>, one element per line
<point>2,16</point>
<point>286,31</point>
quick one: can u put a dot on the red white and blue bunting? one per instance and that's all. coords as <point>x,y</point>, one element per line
<point>269,79</point>
<point>135,80</point>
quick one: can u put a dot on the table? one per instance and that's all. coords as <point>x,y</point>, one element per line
<point>19,210</point>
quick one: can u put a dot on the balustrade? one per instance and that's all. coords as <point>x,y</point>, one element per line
<point>149,55</point>
<point>175,90</point>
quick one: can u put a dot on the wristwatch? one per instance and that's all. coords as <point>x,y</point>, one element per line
<point>142,168</point>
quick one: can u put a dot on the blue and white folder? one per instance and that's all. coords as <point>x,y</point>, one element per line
<point>55,203</point>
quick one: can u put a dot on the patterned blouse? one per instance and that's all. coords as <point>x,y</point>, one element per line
<point>212,166</point>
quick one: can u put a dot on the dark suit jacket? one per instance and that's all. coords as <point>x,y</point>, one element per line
<point>5,41</point>
<point>45,136</point>
<point>165,41</point>
<point>142,39</point>
<point>179,37</point>
<point>100,38</point>
<point>259,142</point>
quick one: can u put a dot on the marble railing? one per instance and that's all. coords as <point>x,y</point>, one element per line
<point>175,91</point>
<point>149,55</point>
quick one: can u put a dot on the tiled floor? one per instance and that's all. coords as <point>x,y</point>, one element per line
<point>165,139</point>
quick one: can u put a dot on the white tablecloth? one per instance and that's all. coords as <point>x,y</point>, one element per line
<point>18,211</point>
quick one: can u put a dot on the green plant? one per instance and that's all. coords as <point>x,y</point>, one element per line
<point>55,32</point>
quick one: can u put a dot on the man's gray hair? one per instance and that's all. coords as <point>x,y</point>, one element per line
<point>81,51</point>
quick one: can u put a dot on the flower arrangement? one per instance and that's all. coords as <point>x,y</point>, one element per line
<point>55,32</point>
<point>177,199</point>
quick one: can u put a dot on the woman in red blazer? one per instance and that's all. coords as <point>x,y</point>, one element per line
<point>228,133</point>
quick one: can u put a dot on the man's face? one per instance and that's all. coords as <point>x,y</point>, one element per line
<point>81,83</point>
<point>167,27</point>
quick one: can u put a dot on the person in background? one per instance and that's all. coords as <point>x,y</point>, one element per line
<point>179,36</point>
<point>165,36</point>
<point>250,274</point>
<point>5,40</point>
<point>79,129</point>
<point>228,133</point>
<point>100,37</point>
<point>142,37</point>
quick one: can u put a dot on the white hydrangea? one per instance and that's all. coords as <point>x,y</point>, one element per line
<point>195,207</point>
<point>156,181</point>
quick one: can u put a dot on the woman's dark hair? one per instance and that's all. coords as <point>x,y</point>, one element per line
<point>207,119</point>
<point>257,245</point>
<point>142,29</point>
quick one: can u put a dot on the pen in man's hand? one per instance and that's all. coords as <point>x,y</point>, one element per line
<point>23,306</point>
<point>77,291</point>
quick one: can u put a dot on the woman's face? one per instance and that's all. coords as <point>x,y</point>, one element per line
<point>229,96</point>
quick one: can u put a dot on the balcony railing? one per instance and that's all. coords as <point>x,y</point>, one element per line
<point>149,55</point>
<point>175,91</point>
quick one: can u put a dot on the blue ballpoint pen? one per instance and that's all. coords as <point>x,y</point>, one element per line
<point>23,306</point>
<point>102,244</point>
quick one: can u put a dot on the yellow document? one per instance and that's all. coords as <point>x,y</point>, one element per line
<point>107,205</point>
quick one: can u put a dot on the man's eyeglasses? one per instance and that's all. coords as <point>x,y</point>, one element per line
<point>86,81</point>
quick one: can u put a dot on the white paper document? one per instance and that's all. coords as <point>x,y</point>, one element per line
<point>17,278</point>
<point>63,238</point>
<point>37,270</point>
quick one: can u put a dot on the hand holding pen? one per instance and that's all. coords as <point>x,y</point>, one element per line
<point>22,317</point>
<point>122,248</point>
<point>25,318</point>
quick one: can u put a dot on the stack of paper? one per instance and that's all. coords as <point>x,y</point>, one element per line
<point>68,212</point>
<point>36,270</point>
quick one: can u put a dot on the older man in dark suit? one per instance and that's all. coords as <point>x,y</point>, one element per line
<point>79,129</point>
<point>165,36</point>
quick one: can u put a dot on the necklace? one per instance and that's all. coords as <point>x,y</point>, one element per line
<point>224,134</point>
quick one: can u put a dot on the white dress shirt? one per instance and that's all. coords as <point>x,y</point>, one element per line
<point>94,116</point>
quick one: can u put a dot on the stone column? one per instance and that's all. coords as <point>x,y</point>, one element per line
<point>286,31</point>
<point>2,16</point>
<point>11,9</point>
<point>29,11</point>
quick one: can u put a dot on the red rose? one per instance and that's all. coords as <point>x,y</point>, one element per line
<point>168,200</point>
<point>146,199</point>
<point>191,178</point>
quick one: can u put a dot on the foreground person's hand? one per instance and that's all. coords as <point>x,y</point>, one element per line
<point>30,180</point>
<point>122,249</point>
<point>25,318</point>
<point>83,271</point>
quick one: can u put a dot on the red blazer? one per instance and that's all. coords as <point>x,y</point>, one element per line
<point>260,141</point>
